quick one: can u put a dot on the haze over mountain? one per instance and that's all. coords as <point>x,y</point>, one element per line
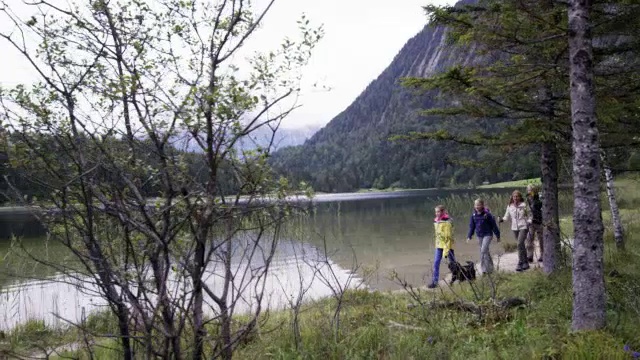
<point>261,137</point>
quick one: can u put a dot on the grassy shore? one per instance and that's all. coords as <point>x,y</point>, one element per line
<point>389,189</point>
<point>400,325</point>
<point>396,326</point>
<point>500,185</point>
<point>511,184</point>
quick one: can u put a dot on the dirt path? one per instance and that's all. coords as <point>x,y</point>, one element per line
<point>506,262</point>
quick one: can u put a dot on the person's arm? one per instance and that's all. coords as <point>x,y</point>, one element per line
<point>496,229</point>
<point>528,213</point>
<point>447,237</point>
<point>472,227</point>
<point>507,215</point>
<point>537,203</point>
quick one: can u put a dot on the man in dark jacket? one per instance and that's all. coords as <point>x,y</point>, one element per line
<point>483,224</point>
<point>535,227</point>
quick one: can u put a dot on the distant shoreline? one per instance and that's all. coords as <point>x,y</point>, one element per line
<point>499,185</point>
<point>344,196</point>
<point>20,209</point>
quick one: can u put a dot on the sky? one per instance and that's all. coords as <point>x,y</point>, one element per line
<point>361,39</point>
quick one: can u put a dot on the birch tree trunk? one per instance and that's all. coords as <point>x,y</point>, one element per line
<point>618,230</point>
<point>588,272</point>
<point>550,217</point>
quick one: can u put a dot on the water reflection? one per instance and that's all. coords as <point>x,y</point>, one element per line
<point>393,234</point>
<point>297,268</point>
<point>19,222</point>
<point>56,301</point>
<point>388,231</point>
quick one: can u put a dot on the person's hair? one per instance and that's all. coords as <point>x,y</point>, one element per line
<point>534,189</point>
<point>515,193</point>
<point>441,208</point>
<point>479,201</point>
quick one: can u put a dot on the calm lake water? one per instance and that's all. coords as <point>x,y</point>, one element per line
<point>378,231</point>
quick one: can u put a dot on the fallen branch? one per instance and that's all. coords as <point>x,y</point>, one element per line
<point>474,308</point>
<point>458,305</point>
<point>509,303</point>
<point>403,326</point>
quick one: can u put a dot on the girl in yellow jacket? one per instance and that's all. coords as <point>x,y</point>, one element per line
<point>444,242</point>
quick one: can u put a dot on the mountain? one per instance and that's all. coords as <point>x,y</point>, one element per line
<point>261,137</point>
<point>354,151</point>
<point>283,137</point>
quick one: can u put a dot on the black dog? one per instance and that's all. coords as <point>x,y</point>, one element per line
<point>462,272</point>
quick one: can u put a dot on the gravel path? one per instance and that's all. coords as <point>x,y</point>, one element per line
<point>506,262</point>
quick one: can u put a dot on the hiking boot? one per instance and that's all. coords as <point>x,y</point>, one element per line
<point>530,259</point>
<point>432,286</point>
<point>519,268</point>
<point>524,267</point>
<point>540,260</point>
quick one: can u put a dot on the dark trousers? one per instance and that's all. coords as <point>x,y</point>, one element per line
<point>521,238</point>
<point>436,263</point>
<point>535,231</point>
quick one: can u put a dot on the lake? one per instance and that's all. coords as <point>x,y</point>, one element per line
<point>379,232</point>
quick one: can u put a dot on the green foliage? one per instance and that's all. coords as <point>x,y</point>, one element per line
<point>33,336</point>
<point>521,71</point>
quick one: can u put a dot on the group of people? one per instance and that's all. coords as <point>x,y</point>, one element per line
<point>525,216</point>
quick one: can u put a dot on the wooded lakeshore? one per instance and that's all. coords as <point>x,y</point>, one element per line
<point>147,137</point>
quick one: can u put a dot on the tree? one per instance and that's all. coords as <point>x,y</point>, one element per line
<point>618,230</point>
<point>4,164</point>
<point>121,84</point>
<point>588,260</point>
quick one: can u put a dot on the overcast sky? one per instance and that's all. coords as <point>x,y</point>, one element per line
<point>361,39</point>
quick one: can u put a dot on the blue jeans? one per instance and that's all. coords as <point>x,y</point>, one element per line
<point>436,263</point>
<point>486,263</point>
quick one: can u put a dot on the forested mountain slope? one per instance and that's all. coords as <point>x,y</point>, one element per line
<point>354,151</point>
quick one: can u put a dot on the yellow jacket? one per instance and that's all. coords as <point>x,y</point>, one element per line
<point>444,235</point>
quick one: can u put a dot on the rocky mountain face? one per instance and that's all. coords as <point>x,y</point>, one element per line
<point>354,151</point>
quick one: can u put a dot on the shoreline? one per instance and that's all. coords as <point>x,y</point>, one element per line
<point>503,263</point>
<point>20,209</point>
<point>338,196</point>
<point>317,198</point>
